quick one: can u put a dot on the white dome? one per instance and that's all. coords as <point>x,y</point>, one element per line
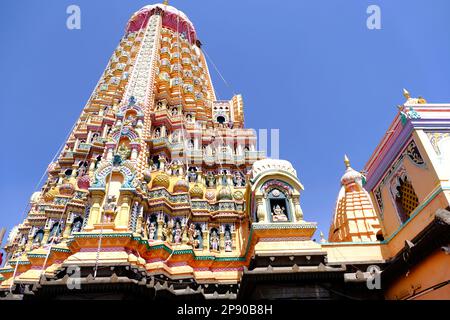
<point>264,165</point>
<point>167,8</point>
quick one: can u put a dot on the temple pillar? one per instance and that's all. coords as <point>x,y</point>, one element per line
<point>89,136</point>
<point>185,235</point>
<point>68,226</point>
<point>105,130</point>
<point>123,214</point>
<point>221,240</point>
<point>205,237</point>
<point>46,236</point>
<point>95,215</point>
<point>160,229</point>
<point>261,210</point>
<point>297,209</point>
<point>92,164</point>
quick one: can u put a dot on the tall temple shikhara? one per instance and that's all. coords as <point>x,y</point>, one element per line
<point>160,192</point>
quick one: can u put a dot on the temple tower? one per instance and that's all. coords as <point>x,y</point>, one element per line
<point>155,171</point>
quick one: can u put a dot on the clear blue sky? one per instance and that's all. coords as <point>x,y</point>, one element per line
<point>310,68</point>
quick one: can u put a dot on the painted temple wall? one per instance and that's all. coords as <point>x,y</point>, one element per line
<point>439,154</point>
<point>351,252</point>
<point>414,226</point>
<point>429,272</point>
<point>425,182</point>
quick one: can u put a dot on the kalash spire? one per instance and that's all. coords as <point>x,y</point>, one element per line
<point>159,183</point>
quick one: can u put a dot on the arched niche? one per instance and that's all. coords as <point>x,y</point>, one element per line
<point>117,180</point>
<point>278,205</point>
<point>38,237</point>
<point>274,188</point>
<point>77,225</point>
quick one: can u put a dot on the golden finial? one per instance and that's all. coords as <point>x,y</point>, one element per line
<point>346,161</point>
<point>421,100</point>
<point>166,2</point>
<point>406,94</point>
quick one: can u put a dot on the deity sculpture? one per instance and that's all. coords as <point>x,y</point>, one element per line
<point>162,162</point>
<point>81,171</point>
<point>228,241</point>
<point>38,239</point>
<point>174,137</point>
<point>110,204</point>
<point>278,213</point>
<point>157,132</point>
<point>192,175</point>
<point>191,234</point>
<point>210,180</point>
<point>198,239</point>
<point>224,178</point>
<point>152,230</point>
<point>214,240</point>
<point>142,231</point>
<point>167,230</point>
<point>109,208</point>
<point>129,121</point>
<point>177,233</point>
<point>55,232</point>
<point>238,179</point>
<point>23,240</point>
<point>124,151</point>
<point>175,168</point>
<point>76,227</point>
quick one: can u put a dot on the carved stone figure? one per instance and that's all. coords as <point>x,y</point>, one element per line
<point>55,233</point>
<point>278,213</point>
<point>124,152</point>
<point>76,227</point>
<point>175,168</point>
<point>109,208</point>
<point>210,180</point>
<point>162,162</point>
<point>198,239</point>
<point>238,179</point>
<point>167,230</point>
<point>214,240</point>
<point>177,233</point>
<point>152,230</point>
<point>157,132</point>
<point>192,175</point>
<point>224,178</point>
<point>228,241</point>
<point>110,204</point>
<point>191,234</point>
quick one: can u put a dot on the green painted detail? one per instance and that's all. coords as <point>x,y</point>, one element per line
<point>61,250</point>
<point>36,255</point>
<point>6,270</point>
<point>20,262</point>
<point>201,258</point>
<point>230,259</point>
<point>186,251</point>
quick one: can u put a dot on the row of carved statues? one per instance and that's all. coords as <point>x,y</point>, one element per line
<point>173,231</point>
<point>176,167</point>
